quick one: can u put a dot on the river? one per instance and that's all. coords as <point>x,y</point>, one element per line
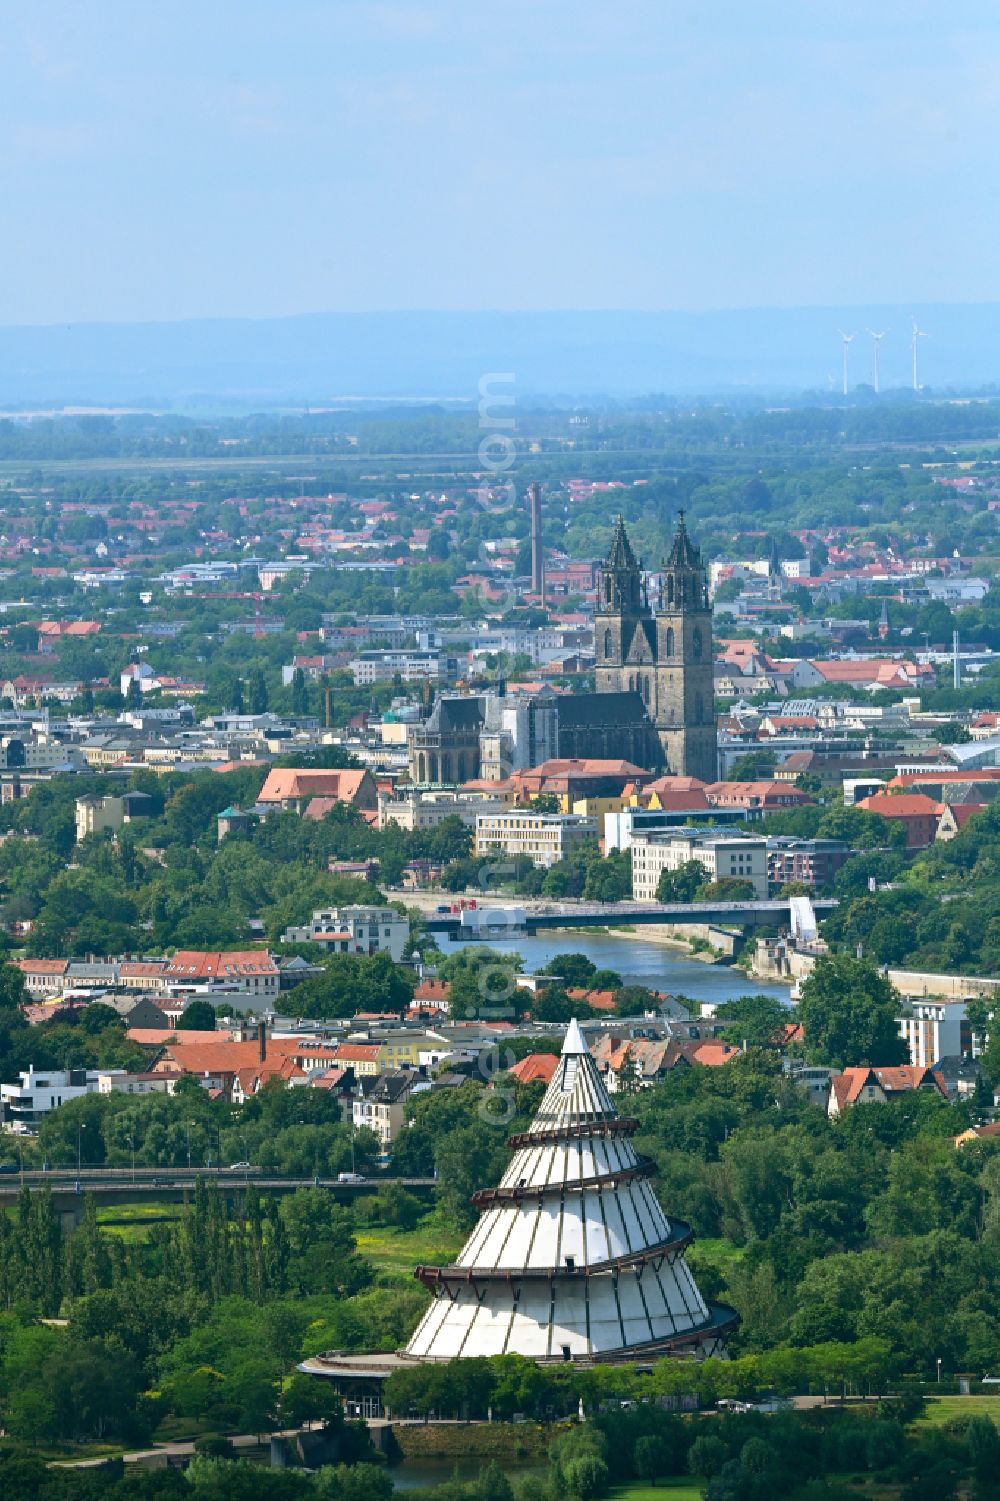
<point>637,961</point>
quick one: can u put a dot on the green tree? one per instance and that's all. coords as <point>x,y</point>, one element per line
<point>198,1016</point>
<point>849,1012</point>
<point>681,885</point>
<point>759,1020</point>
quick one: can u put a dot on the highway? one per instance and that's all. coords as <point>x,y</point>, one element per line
<point>126,1183</point>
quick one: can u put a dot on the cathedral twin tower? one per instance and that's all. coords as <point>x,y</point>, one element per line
<point>663,655</point>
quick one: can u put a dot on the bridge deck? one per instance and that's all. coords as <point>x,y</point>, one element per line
<point>596,915</point>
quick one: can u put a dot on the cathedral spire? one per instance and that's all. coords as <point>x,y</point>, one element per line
<point>622,586</point>
<point>683,553</point>
<point>621,557</point>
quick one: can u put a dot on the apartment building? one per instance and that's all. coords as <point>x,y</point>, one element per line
<point>722,855</point>
<point>251,970</point>
<point>812,861</point>
<point>413,809</point>
<point>354,930</point>
<point>38,1091</point>
<point>936,1029</point>
<point>544,838</point>
<point>380,1104</point>
<point>409,666</point>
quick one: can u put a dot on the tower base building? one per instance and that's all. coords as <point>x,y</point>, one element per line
<point>573,1257</point>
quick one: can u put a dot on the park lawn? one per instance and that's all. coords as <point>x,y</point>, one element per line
<point>397,1251</point>
<point>673,1488</point>
<point>132,1222</point>
<point>942,1409</point>
<point>137,1214</point>
<point>714,1252</point>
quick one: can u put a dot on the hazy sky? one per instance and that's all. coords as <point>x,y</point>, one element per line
<point>259,157</point>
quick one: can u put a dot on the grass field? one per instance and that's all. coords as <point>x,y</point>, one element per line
<point>941,1409</point>
<point>673,1488</point>
<point>132,1222</point>
<point>397,1252</point>
<point>391,1251</point>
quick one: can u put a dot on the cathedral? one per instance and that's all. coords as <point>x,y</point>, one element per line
<point>663,653</point>
<point>654,704</point>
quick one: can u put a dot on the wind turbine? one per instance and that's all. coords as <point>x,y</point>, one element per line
<point>878,345</point>
<point>917,334</point>
<point>847,345</point>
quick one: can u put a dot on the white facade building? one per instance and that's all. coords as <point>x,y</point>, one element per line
<point>410,666</point>
<point>427,809</point>
<point>23,1105</point>
<point>545,838</point>
<point>933,1030</point>
<point>354,930</point>
<point>722,855</point>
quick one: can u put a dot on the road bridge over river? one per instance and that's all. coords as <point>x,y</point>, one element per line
<point>171,1185</point>
<point>775,912</point>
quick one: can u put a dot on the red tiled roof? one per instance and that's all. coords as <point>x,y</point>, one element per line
<point>901,805</point>
<point>284,783</point>
<point>197,964</point>
<point>535,1066</point>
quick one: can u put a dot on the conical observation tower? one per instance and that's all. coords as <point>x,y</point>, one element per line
<point>573,1257</point>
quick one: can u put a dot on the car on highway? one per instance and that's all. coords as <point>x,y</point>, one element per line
<point>241,1167</point>
<point>9,1167</point>
<point>350,1177</point>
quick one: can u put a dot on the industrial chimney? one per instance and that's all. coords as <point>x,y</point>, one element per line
<point>537,546</point>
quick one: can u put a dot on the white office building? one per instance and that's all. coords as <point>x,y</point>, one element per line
<point>545,838</point>
<point>741,856</point>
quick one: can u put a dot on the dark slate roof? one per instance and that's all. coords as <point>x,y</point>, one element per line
<point>580,709</point>
<point>456,714</point>
<point>956,1067</point>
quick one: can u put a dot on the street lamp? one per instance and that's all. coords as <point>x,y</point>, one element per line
<point>187,1127</point>
<point>130,1138</point>
<point>80,1127</point>
<point>939,1370</point>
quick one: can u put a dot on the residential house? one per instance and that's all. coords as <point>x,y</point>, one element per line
<point>918,813</point>
<point>379,1103</point>
<point>535,1068</point>
<point>866,1085</point>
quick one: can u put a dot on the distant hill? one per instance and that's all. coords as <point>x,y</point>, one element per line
<point>322,356</point>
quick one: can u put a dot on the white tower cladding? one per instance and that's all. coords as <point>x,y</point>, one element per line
<point>573,1256</point>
